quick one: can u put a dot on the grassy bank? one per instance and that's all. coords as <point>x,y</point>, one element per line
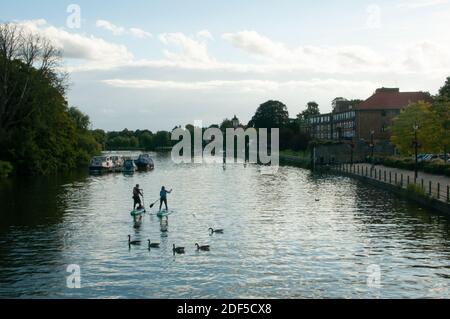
<point>296,158</point>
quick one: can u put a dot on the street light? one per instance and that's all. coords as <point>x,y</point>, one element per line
<point>416,146</point>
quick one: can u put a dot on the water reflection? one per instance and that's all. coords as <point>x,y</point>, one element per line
<point>294,234</point>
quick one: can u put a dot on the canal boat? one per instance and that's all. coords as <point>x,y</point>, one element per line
<point>144,162</point>
<point>101,164</point>
<point>129,167</point>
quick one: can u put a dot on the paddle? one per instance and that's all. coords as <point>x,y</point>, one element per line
<point>154,203</point>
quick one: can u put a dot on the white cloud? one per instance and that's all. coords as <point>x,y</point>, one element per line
<point>245,85</point>
<point>415,4</point>
<point>271,58</point>
<point>422,57</point>
<point>118,31</point>
<point>256,44</point>
<point>205,34</point>
<point>139,33</point>
<point>191,50</point>
<point>335,59</point>
<point>93,50</point>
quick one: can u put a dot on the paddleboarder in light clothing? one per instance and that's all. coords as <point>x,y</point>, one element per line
<point>163,197</point>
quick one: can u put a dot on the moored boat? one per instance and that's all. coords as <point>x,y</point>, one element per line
<point>144,162</point>
<point>129,167</point>
<point>101,164</point>
<point>118,163</point>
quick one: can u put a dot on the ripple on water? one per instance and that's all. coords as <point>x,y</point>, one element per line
<point>290,235</point>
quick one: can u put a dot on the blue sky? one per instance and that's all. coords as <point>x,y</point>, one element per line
<point>157,64</point>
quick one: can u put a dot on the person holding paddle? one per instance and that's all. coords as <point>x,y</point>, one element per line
<point>163,197</point>
<point>136,197</point>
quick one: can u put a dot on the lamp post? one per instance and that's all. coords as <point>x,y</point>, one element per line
<point>372,146</point>
<point>416,146</point>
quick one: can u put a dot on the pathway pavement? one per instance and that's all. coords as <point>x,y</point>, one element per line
<point>440,185</point>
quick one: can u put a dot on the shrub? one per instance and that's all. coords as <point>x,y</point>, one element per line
<point>416,189</point>
<point>5,169</point>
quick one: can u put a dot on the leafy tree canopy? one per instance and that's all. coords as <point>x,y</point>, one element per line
<point>312,108</point>
<point>433,121</point>
<point>272,114</point>
<point>445,90</point>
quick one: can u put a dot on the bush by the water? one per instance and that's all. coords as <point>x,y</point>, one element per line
<point>5,169</point>
<point>416,189</point>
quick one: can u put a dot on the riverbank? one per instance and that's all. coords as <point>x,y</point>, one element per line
<point>428,190</point>
<point>298,159</point>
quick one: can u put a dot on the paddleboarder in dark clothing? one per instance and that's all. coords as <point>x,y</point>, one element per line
<point>136,197</point>
<point>163,197</point>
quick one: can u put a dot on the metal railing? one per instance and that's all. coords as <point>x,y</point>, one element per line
<point>429,187</point>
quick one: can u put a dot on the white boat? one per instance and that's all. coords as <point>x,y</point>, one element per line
<point>117,162</point>
<point>101,164</point>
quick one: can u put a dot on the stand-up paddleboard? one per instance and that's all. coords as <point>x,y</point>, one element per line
<point>164,213</point>
<point>137,212</point>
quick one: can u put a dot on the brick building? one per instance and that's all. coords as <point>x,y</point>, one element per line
<point>359,121</point>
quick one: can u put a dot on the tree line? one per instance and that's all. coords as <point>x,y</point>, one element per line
<point>271,114</point>
<point>39,132</point>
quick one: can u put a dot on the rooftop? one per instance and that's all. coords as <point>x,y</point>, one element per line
<point>392,98</point>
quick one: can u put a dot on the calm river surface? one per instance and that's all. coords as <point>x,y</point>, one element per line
<point>291,235</point>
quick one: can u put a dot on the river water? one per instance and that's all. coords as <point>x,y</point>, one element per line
<point>289,235</point>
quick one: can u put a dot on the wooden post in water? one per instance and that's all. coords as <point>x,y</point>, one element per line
<point>401,180</point>
<point>429,188</point>
<point>395,178</point>
<point>448,193</point>
<point>438,190</point>
<point>390,177</point>
<point>385,176</point>
<point>407,181</point>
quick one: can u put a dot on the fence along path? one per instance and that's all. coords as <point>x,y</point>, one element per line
<point>435,186</point>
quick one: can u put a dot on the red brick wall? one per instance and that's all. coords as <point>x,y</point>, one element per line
<point>368,120</point>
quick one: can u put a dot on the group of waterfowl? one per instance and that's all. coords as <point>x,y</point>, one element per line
<point>175,249</point>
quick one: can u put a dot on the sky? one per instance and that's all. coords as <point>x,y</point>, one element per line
<point>156,64</point>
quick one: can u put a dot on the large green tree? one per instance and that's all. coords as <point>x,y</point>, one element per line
<point>39,134</point>
<point>433,124</point>
<point>312,108</point>
<point>272,114</point>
